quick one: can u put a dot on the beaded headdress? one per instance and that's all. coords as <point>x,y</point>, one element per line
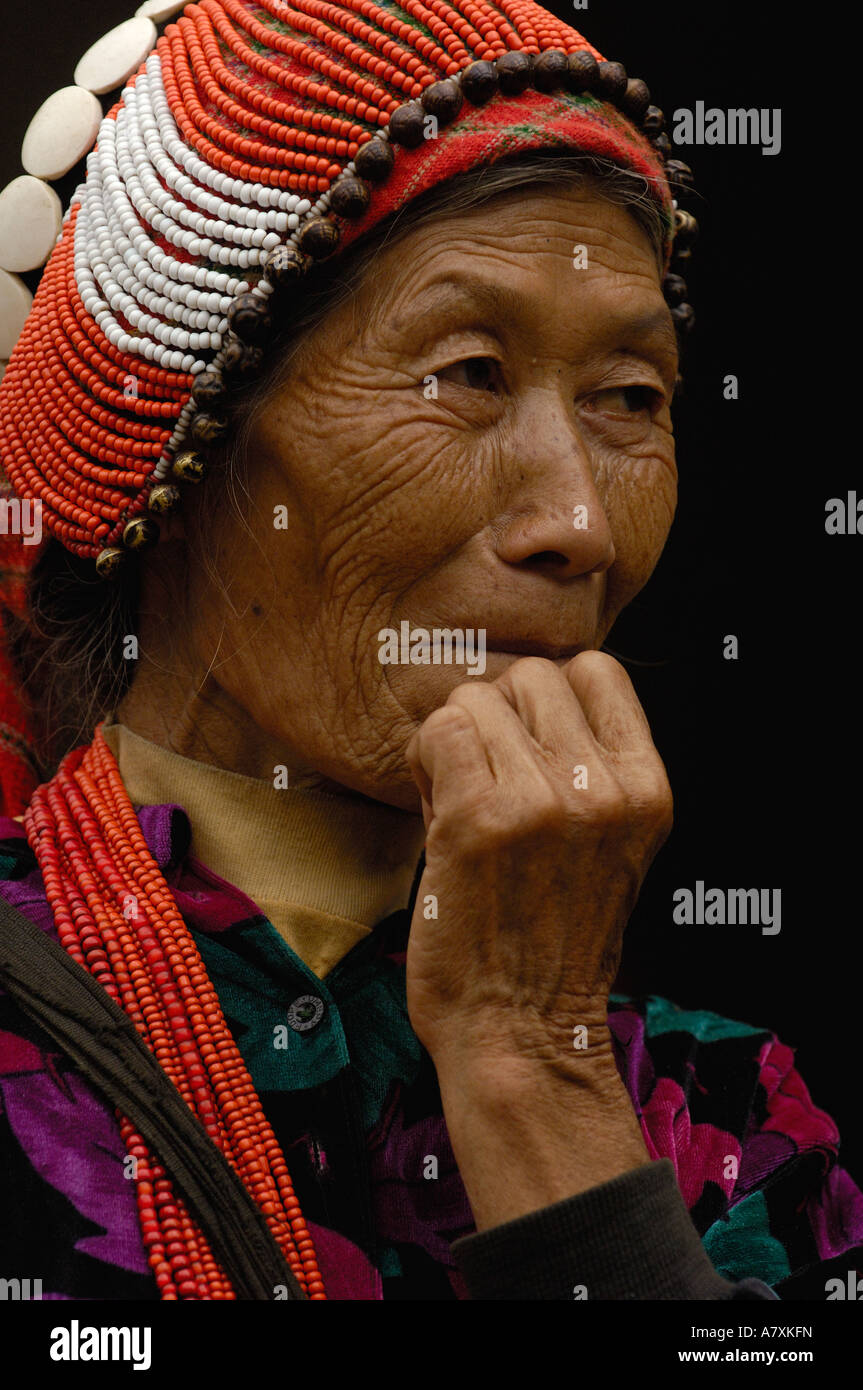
<point>252,140</point>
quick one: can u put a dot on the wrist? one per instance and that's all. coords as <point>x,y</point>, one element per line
<point>527,1134</point>
<point>515,1053</point>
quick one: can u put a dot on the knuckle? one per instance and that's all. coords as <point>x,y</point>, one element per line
<point>662,806</point>
<point>480,826</point>
<point>446,719</point>
<point>530,668</point>
<point>547,812</point>
<point>611,808</point>
<point>496,824</point>
<point>597,663</point>
<point>469,695</point>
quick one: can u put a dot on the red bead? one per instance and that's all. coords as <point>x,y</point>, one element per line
<point>87,839</point>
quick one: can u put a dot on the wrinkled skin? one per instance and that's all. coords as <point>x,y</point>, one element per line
<point>456,510</point>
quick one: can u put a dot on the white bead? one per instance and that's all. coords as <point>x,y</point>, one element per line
<point>62,131</point>
<point>159,10</point>
<point>15,301</point>
<point>31,216</point>
<point>113,58</point>
<point>143,172</point>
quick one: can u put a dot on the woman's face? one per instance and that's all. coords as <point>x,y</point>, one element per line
<point>480,439</point>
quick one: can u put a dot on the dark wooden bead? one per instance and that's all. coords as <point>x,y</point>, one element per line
<point>374,160</point>
<point>208,388</point>
<point>209,429</point>
<point>685,228</point>
<point>635,99</point>
<point>582,72</point>
<point>662,145</point>
<point>249,318</point>
<point>680,174</point>
<point>319,238</point>
<point>684,318</point>
<point>479,82</point>
<point>612,81</point>
<point>408,125</point>
<point>110,561</point>
<point>189,467</point>
<point>140,532</point>
<point>514,72</point>
<point>549,70</point>
<point>164,497</point>
<point>443,100</point>
<point>674,289</point>
<point>241,359</point>
<point>653,121</point>
<point>350,197</point>
<point>285,265</point>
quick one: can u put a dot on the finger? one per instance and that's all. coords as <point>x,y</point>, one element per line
<point>611,706</point>
<point>510,749</point>
<point>547,706</point>
<point>448,761</point>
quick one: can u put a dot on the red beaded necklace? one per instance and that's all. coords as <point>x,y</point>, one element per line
<point>116,916</point>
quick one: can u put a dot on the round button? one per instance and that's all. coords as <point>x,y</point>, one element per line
<point>305,1013</point>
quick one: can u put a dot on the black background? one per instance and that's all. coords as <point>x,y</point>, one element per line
<point>762,752</point>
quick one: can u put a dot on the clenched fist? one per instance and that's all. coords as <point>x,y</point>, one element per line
<point>545,802</point>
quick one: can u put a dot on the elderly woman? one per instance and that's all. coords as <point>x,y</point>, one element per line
<point>312,923</point>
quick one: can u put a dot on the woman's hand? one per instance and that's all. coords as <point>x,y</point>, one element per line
<point>545,802</point>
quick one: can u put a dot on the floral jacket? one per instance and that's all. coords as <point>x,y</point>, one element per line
<point>353,1099</point>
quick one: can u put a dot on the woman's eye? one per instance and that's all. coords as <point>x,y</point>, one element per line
<point>626,400</point>
<point>477,373</point>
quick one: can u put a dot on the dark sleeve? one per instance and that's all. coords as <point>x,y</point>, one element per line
<point>630,1238</point>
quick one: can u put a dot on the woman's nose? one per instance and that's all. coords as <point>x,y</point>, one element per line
<point>556,521</point>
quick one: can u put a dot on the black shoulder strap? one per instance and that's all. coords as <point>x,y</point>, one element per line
<point>73,1009</point>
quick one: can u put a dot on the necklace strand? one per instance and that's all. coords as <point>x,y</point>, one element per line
<point>116,916</point>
